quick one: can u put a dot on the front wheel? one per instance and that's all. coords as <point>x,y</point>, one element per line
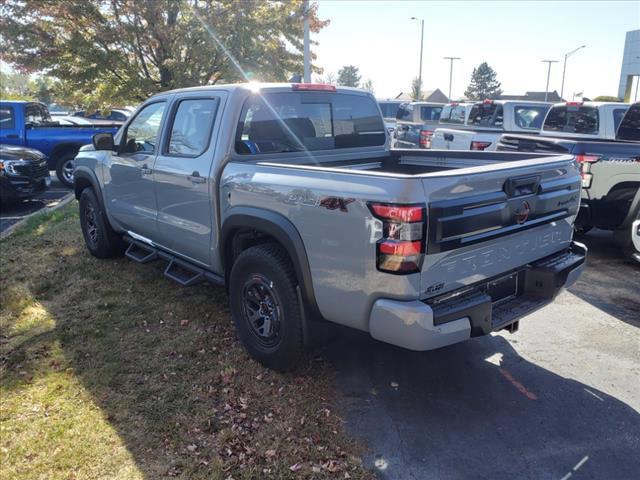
<point>101,240</point>
<point>265,306</point>
<point>65,167</point>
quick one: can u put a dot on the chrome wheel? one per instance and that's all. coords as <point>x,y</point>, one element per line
<point>67,170</point>
<point>261,310</point>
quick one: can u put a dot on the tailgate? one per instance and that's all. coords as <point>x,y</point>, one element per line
<point>451,139</point>
<point>485,224</point>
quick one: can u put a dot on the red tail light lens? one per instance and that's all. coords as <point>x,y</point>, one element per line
<point>425,138</point>
<point>479,145</point>
<point>585,162</point>
<point>318,87</point>
<point>401,248</point>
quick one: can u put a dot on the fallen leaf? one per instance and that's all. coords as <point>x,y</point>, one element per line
<point>295,467</point>
<point>184,323</point>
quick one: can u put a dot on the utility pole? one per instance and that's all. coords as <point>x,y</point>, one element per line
<point>546,90</point>
<point>451,59</point>
<point>421,45</point>
<point>307,52</point>
<point>564,69</point>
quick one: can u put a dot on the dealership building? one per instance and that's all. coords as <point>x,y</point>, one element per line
<point>630,72</point>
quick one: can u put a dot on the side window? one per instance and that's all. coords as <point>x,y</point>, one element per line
<point>142,133</point>
<point>618,114</point>
<point>7,120</point>
<point>192,126</point>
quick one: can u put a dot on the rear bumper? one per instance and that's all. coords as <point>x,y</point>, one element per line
<point>475,310</point>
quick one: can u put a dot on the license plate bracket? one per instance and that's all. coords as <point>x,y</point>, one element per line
<point>503,289</point>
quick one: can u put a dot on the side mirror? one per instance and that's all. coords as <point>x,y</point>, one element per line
<point>103,141</point>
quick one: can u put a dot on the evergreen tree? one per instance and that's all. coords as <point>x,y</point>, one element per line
<point>484,83</point>
<point>416,89</point>
<point>349,76</point>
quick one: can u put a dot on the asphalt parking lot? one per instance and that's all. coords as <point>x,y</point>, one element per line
<point>559,399</point>
<point>13,213</point>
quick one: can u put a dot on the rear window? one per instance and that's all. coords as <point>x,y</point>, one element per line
<point>7,120</point>
<point>486,115</point>
<point>293,122</point>
<point>618,115</point>
<point>389,109</point>
<point>529,117</point>
<point>405,112</point>
<point>629,128</point>
<point>453,114</point>
<point>428,113</point>
<point>572,119</point>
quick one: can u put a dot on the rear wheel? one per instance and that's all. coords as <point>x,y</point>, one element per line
<point>101,240</point>
<point>65,167</point>
<point>265,306</point>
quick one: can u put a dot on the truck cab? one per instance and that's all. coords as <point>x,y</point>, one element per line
<point>415,124</point>
<point>487,121</point>
<point>585,120</point>
<point>29,124</point>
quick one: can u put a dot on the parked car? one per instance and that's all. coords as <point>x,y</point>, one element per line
<point>415,123</point>
<point>584,120</point>
<point>289,195</point>
<point>29,124</point>
<point>389,109</point>
<point>610,170</point>
<point>116,115</point>
<point>23,173</point>
<point>488,121</point>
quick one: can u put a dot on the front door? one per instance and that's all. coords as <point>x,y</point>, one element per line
<point>183,177</point>
<point>129,173</point>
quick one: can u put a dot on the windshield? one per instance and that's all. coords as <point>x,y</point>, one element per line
<point>486,115</point>
<point>429,113</point>
<point>572,119</point>
<point>389,109</point>
<point>292,121</point>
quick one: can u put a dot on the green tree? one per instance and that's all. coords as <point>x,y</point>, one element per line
<point>416,89</point>
<point>484,83</point>
<point>606,98</point>
<point>368,85</point>
<point>125,50</point>
<point>349,76</point>
<point>15,86</point>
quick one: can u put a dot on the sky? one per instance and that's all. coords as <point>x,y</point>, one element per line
<point>512,36</point>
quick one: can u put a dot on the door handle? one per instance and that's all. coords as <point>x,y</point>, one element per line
<point>145,170</point>
<point>196,178</point>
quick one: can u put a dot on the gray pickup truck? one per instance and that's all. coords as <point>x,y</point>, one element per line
<point>289,195</point>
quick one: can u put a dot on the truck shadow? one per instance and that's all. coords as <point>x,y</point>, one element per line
<point>611,280</point>
<point>478,410</point>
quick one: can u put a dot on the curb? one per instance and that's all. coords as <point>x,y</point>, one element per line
<point>63,201</point>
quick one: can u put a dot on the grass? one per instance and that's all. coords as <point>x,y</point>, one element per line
<point>110,370</point>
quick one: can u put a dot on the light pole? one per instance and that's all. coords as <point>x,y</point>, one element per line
<point>307,53</point>
<point>546,90</point>
<point>564,69</point>
<point>451,59</point>
<point>421,45</point>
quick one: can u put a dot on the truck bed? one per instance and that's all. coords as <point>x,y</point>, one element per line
<point>418,163</point>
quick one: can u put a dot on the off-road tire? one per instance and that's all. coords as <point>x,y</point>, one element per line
<point>101,240</point>
<point>268,263</point>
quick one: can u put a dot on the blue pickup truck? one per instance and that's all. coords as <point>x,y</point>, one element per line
<point>29,124</point>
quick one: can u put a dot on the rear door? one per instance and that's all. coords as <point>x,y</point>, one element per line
<point>497,219</point>
<point>183,176</point>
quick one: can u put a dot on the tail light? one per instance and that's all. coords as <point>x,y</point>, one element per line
<point>401,248</point>
<point>479,145</point>
<point>317,87</point>
<point>425,138</point>
<point>585,162</point>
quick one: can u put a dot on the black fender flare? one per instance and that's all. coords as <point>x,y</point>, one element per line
<point>280,228</point>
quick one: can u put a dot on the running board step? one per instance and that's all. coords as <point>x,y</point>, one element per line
<point>140,252</point>
<point>184,273</point>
